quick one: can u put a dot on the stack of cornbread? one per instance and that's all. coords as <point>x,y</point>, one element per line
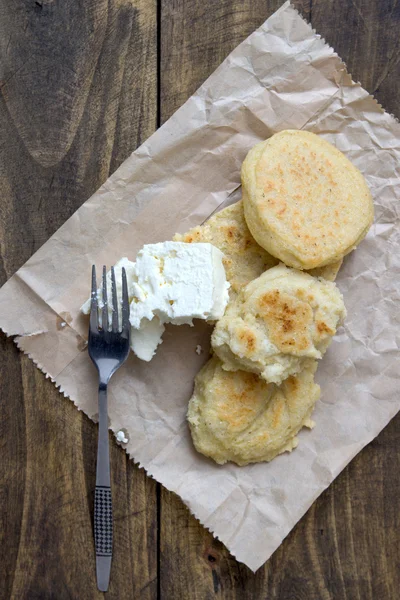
<point>304,207</point>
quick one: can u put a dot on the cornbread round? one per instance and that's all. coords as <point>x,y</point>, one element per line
<point>304,201</point>
<point>244,260</point>
<point>238,417</point>
<point>279,320</point>
<point>327,272</point>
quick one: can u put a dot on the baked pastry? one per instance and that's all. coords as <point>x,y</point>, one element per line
<point>304,201</point>
<point>328,272</point>
<point>239,417</point>
<point>244,260</point>
<point>277,322</point>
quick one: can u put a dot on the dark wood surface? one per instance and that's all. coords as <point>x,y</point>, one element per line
<point>83,83</point>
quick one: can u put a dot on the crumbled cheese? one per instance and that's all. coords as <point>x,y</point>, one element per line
<point>144,341</point>
<point>121,437</point>
<point>175,283</point>
<point>171,282</point>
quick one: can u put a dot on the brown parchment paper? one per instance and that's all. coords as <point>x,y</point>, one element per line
<point>282,76</point>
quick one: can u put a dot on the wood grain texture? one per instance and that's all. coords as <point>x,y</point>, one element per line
<point>365,34</point>
<point>347,546</point>
<point>78,94</point>
<point>78,83</point>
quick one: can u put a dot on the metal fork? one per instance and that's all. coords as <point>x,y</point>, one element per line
<point>108,348</point>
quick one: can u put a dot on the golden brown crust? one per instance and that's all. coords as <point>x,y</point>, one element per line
<point>304,201</point>
<point>288,321</point>
<point>276,322</point>
<point>238,417</point>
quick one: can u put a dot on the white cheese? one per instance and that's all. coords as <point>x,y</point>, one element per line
<point>175,283</point>
<point>171,282</point>
<point>120,435</point>
<point>144,341</point>
<point>179,282</point>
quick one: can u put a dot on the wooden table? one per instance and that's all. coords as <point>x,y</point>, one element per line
<point>83,83</point>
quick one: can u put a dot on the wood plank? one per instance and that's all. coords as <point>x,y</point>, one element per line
<point>365,34</point>
<point>347,545</point>
<point>78,94</point>
<point>195,38</point>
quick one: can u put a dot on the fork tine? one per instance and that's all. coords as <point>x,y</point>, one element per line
<point>93,303</point>
<point>125,302</point>
<point>104,312</point>
<point>114,301</point>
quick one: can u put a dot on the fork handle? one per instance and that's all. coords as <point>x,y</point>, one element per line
<point>103,522</point>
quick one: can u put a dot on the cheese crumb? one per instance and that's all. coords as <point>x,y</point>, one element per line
<point>171,282</point>
<point>121,437</point>
<point>199,349</point>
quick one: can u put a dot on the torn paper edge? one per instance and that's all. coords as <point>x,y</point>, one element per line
<point>213,531</point>
<point>342,62</point>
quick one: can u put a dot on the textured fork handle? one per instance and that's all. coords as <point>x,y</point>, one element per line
<point>103,524</point>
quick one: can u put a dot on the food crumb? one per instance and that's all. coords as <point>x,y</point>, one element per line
<point>63,324</point>
<point>199,349</point>
<point>121,437</point>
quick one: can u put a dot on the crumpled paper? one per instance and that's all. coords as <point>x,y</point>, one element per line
<point>282,76</point>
